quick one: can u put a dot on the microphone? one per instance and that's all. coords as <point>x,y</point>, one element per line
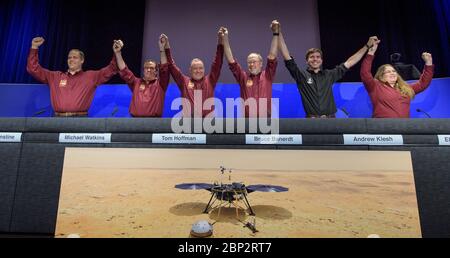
<point>345,112</point>
<point>114,112</point>
<point>421,111</point>
<point>39,112</point>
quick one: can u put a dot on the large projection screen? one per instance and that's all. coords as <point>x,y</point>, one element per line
<point>131,193</point>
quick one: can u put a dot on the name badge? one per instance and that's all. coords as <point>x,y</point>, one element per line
<point>249,83</point>
<point>444,139</point>
<point>10,137</point>
<point>365,139</point>
<point>179,138</point>
<point>84,138</point>
<point>273,139</point>
<point>63,83</point>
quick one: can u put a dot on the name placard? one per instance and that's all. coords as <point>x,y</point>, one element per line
<point>179,138</point>
<point>273,139</point>
<point>444,139</point>
<point>10,137</point>
<point>85,138</point>
<point>365,139</point>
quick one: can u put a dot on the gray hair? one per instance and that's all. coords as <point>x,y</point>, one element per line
<point>196,60</point>
<point>257,55</point>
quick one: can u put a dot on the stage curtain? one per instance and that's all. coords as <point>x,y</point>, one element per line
<point>87,25</point>
<point>409,27</point>
<point>442,10</point>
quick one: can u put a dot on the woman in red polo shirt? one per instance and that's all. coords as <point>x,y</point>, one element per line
<point>390,95</point>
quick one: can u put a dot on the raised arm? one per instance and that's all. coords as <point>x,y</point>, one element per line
<point>177,75</point>
<point>283,47</point>
<point>117,48</point>
<point>216,66</point>
<point>290,63</point>
<point>234,66</point>
<point>124,72</point>
<point>33,66</point>
<point>105,74</point>
<point>162,45</point>
<point>366,67</point>
<point>226,45</point>
<point>273,53</point>
<point>427,75</point>
<point>164,74</point>
<point>353,60</point>
<point>37,42</point>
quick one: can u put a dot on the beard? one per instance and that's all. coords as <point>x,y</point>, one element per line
<point>255,71</point>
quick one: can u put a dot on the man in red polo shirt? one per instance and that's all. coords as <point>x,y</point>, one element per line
<point>71,92</point>
<point>149,91</point>
<point>197,88</point>
<point>255,84</point>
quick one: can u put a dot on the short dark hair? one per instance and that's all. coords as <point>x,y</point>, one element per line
<point>312,51</point>
<point>148,61</point>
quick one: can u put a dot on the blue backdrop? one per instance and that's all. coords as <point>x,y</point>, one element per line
<point>27,100</point>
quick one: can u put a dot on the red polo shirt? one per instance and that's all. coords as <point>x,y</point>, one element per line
<point>70,93</point>
<point>387,101</point>
<point>188,86</point>
<point>148,97</point>
<point>256,86</point>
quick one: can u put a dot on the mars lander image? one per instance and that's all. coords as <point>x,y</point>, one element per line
<point>230,194</point>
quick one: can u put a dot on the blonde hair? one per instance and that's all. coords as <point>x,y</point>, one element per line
<point>400,85</point>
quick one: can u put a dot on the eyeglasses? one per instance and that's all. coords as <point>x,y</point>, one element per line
<point>254,62</point>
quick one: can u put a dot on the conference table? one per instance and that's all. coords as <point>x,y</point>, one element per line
<point>32,152</point>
